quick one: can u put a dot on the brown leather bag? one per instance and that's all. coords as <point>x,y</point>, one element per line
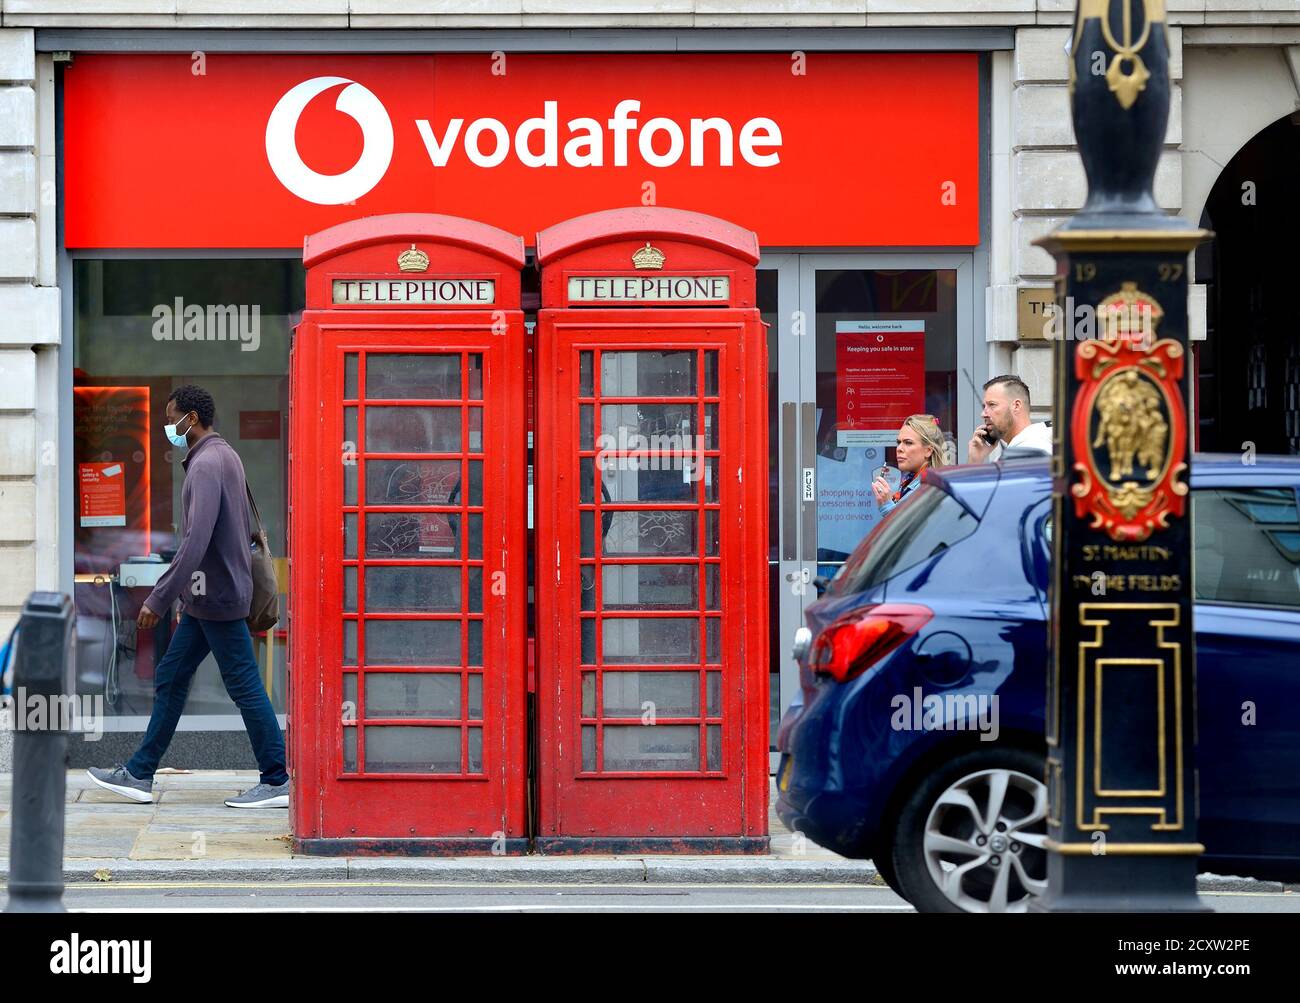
<point>264,610</point>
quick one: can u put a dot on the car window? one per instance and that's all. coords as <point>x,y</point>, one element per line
<point>928,522</point>
<point>1247,546</point>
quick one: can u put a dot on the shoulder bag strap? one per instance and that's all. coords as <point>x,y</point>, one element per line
<point>257,516</point>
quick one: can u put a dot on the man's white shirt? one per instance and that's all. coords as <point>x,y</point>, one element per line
<point>1036,436</point>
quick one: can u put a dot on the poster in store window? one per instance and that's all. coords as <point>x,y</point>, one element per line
<point>879,379</point>
<point>101,494</point>
<point>112,449</point>
<point>846,505</point>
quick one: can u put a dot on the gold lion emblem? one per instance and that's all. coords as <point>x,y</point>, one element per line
<point>1131,425</point>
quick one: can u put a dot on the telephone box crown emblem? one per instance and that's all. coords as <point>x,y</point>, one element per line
<point>648,257</point>
<point>413,260</point>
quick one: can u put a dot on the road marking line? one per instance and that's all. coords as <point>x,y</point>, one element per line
<point>343,883</point>
<point>521,907</point>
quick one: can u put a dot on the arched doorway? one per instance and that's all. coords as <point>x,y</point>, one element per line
<point>1248,368</point>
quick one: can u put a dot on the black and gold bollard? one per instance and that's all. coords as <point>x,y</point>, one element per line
<point>1121,708</point>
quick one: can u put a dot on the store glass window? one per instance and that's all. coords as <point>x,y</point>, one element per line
<point>886,348</point>
<point>143,327</point>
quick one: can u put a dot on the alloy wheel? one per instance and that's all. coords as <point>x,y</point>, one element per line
<point>984,841</point>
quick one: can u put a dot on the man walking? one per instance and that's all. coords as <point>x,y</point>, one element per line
<point>1006,421</point>
<point>212,576</point>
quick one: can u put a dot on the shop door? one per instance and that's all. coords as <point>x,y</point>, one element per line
<point>820,307</point>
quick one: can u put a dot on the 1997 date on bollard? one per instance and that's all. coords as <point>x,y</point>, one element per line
<point>1171,944</point>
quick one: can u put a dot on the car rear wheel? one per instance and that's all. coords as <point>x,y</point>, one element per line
<point>971,837</point>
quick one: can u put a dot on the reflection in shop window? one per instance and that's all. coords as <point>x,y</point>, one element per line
<point>142,328</point>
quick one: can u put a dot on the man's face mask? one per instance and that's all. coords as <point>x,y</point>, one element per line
<point>177,438</point>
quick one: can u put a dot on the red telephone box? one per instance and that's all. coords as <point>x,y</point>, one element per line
<point>408,584</point>
<point>651,579</point>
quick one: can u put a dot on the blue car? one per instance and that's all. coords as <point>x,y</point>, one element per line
<point>952,589</point>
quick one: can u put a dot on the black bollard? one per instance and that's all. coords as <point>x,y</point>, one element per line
<point>43,687</point>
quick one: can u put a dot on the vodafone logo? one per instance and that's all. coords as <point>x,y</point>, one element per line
<point>330,189</point>
<point>619,138</point>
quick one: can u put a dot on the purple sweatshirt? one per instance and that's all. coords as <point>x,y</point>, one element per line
<point>212,572</point>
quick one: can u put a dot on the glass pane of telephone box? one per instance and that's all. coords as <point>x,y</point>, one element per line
<point>412,749</point>
<point>650,586</point>
<point>350,376</point>
<point>412,429</point>
<point>413,642</point>
<point>658,748</point>
<point>648,426</point>
<point>651,694</point>
<point>476,377</point>
<point>474,703</point>
<point>415,535</point>
<point>412,590</point>
<point>412,694</point>
<point>648,374</point>
<point>659,477</point>
<point>588,748</point>
<point>475,750</point>
<point>474,642</point>
<point>427,376</point>
<point>350,749</point>
<point>412,482</point>
<point>657,641</point>
<point>650,533</point>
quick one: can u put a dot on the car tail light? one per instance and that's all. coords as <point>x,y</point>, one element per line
<point>861,637</point>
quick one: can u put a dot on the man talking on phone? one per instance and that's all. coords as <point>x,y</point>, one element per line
<point>1006,421</point>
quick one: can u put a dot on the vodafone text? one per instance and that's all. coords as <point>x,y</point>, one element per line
<point>660,141</point>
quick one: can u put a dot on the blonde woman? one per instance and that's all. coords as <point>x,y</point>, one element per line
<point>920,445</point>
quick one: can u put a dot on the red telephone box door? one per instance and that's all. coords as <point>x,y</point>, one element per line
<point>651,537</point>
<point>408,580</point>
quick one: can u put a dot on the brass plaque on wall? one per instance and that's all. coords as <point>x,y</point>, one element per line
<point>1034,312</point>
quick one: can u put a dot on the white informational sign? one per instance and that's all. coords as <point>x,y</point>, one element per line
<point>866,437</point>
<point>879,378</point>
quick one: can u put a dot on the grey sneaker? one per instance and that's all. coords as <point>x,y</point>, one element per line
<point>262,796</point>
<point>120,781</point>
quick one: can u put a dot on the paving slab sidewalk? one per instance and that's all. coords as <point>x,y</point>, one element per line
<point>188,834</point>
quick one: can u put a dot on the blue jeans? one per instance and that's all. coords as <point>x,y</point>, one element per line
<point>232,646</point>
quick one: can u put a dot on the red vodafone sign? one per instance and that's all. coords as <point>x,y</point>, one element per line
<point>260,150</point>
